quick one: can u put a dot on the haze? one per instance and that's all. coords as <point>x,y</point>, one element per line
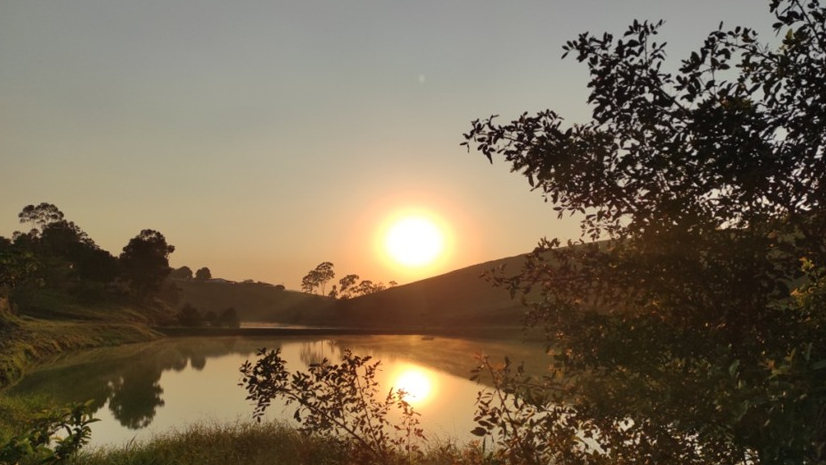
<point>262,138</point>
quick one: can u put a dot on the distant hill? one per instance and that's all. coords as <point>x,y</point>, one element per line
<point>460,299</point>
<point>255,302</point>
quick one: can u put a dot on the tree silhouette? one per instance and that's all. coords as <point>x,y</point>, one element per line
<point>346,285</point>
<point>41,215</point>
<point>145,262</point>
<point>203,274</point>
<point>677,337</point>
<point>190,316</point>
<point>318,277</point>
<point>183,273</point>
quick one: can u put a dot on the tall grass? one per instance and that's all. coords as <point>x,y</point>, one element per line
<point>250,443</point>
<point>246,443</point>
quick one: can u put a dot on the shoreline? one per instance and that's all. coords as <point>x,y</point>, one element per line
<point>479,332</point>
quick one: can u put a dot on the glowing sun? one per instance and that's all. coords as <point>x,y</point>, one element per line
<point>414,241</point>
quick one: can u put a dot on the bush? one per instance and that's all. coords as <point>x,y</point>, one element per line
<point>338,402</point>
<point>42,442</point>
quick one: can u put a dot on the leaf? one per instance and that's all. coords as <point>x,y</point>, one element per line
<point>819,365</point>
<point>479,431</point>
<point>732,369</point>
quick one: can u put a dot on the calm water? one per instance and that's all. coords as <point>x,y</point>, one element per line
<point>142,389</point>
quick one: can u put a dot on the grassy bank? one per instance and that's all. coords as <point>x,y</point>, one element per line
<point>55,326</point>
<point>252,444</point>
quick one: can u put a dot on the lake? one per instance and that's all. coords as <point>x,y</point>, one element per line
<point>143,389</point>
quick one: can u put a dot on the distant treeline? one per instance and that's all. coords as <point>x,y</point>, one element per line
<point>56,255</point>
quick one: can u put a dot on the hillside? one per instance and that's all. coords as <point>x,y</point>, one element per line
<point>54,323</point>
<point>256,302</point>
<point>460,298</point>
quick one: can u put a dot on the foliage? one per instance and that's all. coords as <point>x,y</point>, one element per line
<point>530,423</point>
<point>228,319</point>
<point>55,254</point>
<point>53,438</point>
<point>706,189</point>
<point>18,270</point>
<point>183,273</point>
<point>170,293</point>
<point>250,443</point>
<point>317,278</point>
<point>337,401</point>
<point>190,316</point>
<point>345,286</point>
<point>145,262</point>
<point>350,287</point>
<point>367,287</point>
<point>203,274</point>
<point>40,215</point>
<point>64,252</point>
<point>245,443</point>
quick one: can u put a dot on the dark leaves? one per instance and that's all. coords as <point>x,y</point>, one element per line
<point>684,326</point>
<point>336,400</point>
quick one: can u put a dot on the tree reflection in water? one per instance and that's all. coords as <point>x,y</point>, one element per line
<point>313,352</point>
<point>151,386</point>
<point>127,378</point>
<point>136,395</point>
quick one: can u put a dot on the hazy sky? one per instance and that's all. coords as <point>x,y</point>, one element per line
<point>263,137</point>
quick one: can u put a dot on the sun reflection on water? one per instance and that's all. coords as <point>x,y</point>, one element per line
<point>415,382</point>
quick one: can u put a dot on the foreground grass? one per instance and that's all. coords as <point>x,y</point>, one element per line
<point>16,414</point>
<point>250,443</point>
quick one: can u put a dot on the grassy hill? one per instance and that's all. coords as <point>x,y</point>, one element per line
<point>256,302</point>
<point>459,299</point>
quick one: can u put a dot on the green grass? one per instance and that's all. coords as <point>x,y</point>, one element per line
<point>249,443</point>
<point>214,443</point>
<point>57,325</point>
<point>17,412</point>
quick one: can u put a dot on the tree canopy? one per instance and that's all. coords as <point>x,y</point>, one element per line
<point>40,215</point>
<point>55,254</point>
<point>145,262</point>
<point>203,274</point>
<point>183,273</point>
<point>686,325</point>
<point>318,277</point>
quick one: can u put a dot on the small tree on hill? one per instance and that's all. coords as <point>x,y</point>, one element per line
<point>190,316</point>
<point>203,274</point>
<point>318,278</point>
<point>367,287</point>
<point>183,273</point>
<point>228,319</point>
<point>345,286</point>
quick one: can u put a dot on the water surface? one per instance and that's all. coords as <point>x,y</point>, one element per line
<point>143,389</point>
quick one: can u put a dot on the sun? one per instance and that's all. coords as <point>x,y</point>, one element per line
<point>414,241</point>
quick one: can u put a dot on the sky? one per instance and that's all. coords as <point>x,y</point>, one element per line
<point>263,137</point>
